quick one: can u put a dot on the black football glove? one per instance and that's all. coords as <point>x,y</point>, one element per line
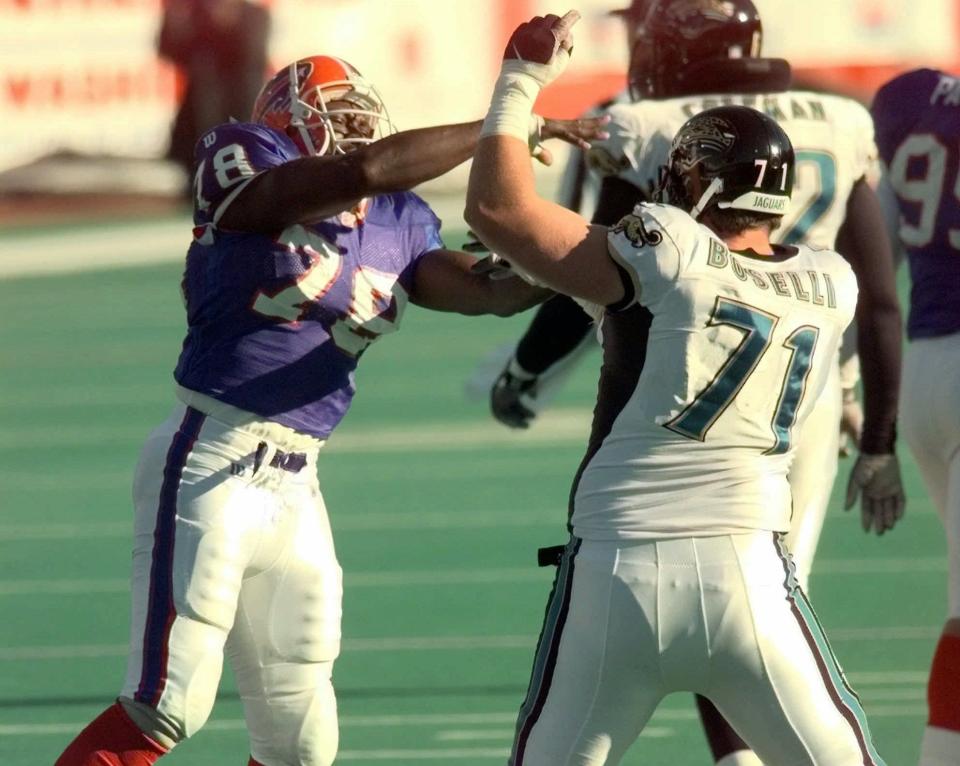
<point>512,395</point>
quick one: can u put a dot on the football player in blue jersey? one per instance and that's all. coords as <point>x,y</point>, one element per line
<point>306,249</point>
<point>917,120</point>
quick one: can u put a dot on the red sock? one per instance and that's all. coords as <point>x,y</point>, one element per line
<point>253,762</point>
<point>112,739</point>
<point>943,690</point>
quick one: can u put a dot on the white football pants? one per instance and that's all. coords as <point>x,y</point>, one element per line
<point>811,476</point>
<point>930,422</point>
<point>233,555</point>
<point>629,622</point>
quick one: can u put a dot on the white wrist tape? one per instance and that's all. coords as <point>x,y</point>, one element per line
<point>542,73</point>
<point>511,107</point>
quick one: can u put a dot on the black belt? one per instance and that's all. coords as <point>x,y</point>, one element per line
<point>292,462</point>
<point>288,461</point>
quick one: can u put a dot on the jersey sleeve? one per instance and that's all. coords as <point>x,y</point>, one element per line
<point>426,230</point>
<point>227,158</point>
<point>421,232</point>
<point>654,245</point>
<point>866,159</point>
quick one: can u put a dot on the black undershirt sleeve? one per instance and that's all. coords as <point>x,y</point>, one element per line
<point>556,330</point>
<point>560,324</point>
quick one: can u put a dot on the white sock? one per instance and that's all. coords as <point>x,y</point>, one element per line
<point>740,758</point>
<point>940,747</point>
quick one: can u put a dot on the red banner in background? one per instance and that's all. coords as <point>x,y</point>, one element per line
<point>83,74</point>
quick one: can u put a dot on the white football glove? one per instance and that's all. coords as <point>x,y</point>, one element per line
<point>495,267</point>
<point>877,478</point>
<point>488,264</point>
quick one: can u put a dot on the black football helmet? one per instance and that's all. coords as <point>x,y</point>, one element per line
<point>677,39</point>
<point>729,157</point>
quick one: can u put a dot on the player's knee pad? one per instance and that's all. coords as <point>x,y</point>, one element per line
<point>320,737</point>
<point>307,734</point>
<point>306,612</point>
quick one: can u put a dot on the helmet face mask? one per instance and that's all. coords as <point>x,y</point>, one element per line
<point>731,157</point>
<point>677,37</point>
<point>324,105</point>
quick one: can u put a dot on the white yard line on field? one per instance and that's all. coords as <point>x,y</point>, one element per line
<point>427,720</point>
<point>559,426</point>
<point>449,577</point>
<point>447,643</point>
<point>62,251</point>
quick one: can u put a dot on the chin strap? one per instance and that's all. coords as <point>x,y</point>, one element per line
<point>715,187</point>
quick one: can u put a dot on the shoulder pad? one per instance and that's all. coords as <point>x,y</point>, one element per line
<point>644,227</point>
<point>247,134</point>
<point>653,245</point>
<point>653,225</point>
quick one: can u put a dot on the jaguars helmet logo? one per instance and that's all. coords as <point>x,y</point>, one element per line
<point>714,134</point>
<point>680,13</point>
<point>632,227</point>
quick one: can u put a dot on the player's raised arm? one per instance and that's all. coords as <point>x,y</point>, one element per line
<point>556,245</point>
<point>315,150</point>
<point>311,188</point>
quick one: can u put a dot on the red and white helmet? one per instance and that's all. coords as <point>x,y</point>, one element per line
<point>323,104</point>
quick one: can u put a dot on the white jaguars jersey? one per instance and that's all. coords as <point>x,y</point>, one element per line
<point>832,137</point>
<point>740,348</point>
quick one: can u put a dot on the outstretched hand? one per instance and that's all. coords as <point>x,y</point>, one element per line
<point>580,133</point>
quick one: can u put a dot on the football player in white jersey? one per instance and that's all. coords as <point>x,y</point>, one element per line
<point>684,49</point>
<point>676,576</point>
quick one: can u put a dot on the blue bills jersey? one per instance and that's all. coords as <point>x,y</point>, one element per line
<point>276,323</point>
<point>917,120</point>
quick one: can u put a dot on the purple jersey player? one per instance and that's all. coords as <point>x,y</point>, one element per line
<point>917,120</point>
<point>280,334</point>
<point>306,249</point>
